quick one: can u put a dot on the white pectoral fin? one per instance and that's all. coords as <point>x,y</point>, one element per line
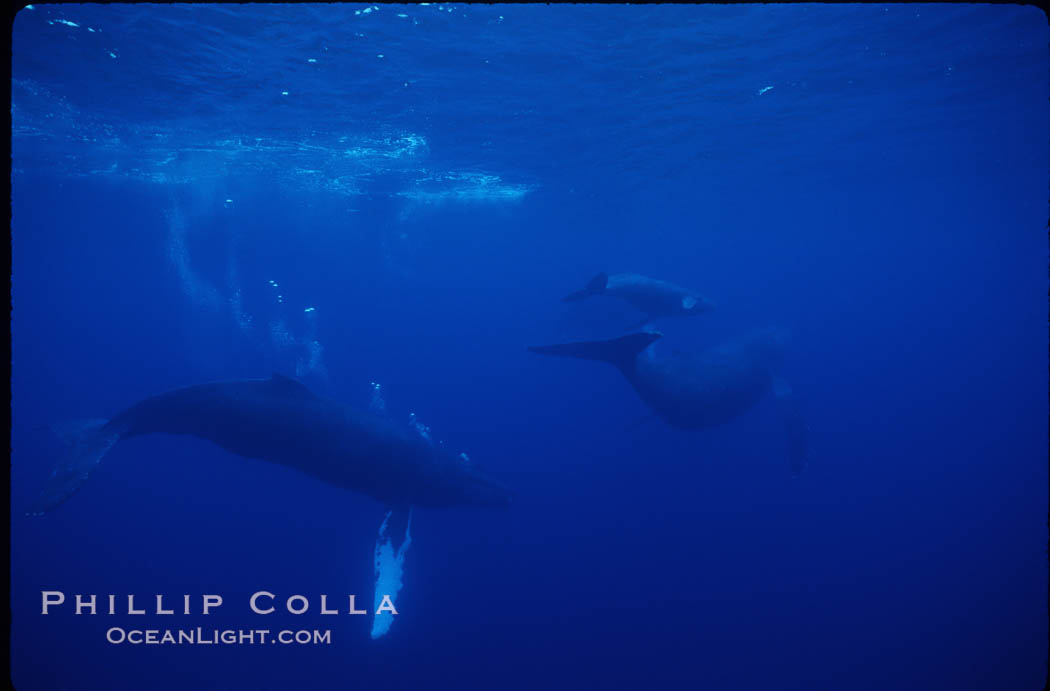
<point>391,546</point>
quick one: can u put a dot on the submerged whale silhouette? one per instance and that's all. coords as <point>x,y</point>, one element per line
<point>281,421</point>
<point>706,389</point>
<point>650,295</point>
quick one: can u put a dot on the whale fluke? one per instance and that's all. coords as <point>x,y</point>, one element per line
<point>618,351</point>
<point>87,441</point>
<point>595,287</point>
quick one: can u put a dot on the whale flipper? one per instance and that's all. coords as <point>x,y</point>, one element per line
<point>618,351</point>
<point>393,542</point>
<point>87,441</point>
<point>594,287</point>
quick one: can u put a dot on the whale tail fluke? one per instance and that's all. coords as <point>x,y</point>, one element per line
<point>87,441</point>
<point>620,352</point>
<point>595,287</point>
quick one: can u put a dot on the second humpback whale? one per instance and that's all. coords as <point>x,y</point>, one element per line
<point>706,389</point>
<point>652,296</point>
<point>281,421</point>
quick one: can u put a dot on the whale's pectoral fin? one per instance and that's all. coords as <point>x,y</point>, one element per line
<point>391,546</point>
<point>791,411</point>
<point>620,351</point>
<point>86,444</point>
<point>595,287</point>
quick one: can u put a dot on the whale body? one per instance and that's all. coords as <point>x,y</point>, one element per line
<point>702,390</point>
<point>281,421</point>
<point>652,296</point>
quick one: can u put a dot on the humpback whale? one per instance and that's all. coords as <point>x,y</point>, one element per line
<point>706,389</point>
<point>654,297</point>
<point>281,421</point>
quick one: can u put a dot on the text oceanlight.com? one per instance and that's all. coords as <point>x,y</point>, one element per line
<point>200,636</point>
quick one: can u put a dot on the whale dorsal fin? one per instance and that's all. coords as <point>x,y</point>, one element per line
<point>289,387</point>
<point>596,286</point>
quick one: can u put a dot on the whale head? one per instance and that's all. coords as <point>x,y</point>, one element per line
<point>484,491</point>
<point>460,482</point>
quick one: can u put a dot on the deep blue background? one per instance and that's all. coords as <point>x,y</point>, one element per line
<point>885,201</point>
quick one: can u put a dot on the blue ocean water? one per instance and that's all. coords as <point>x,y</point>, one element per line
<point>401,194</point>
